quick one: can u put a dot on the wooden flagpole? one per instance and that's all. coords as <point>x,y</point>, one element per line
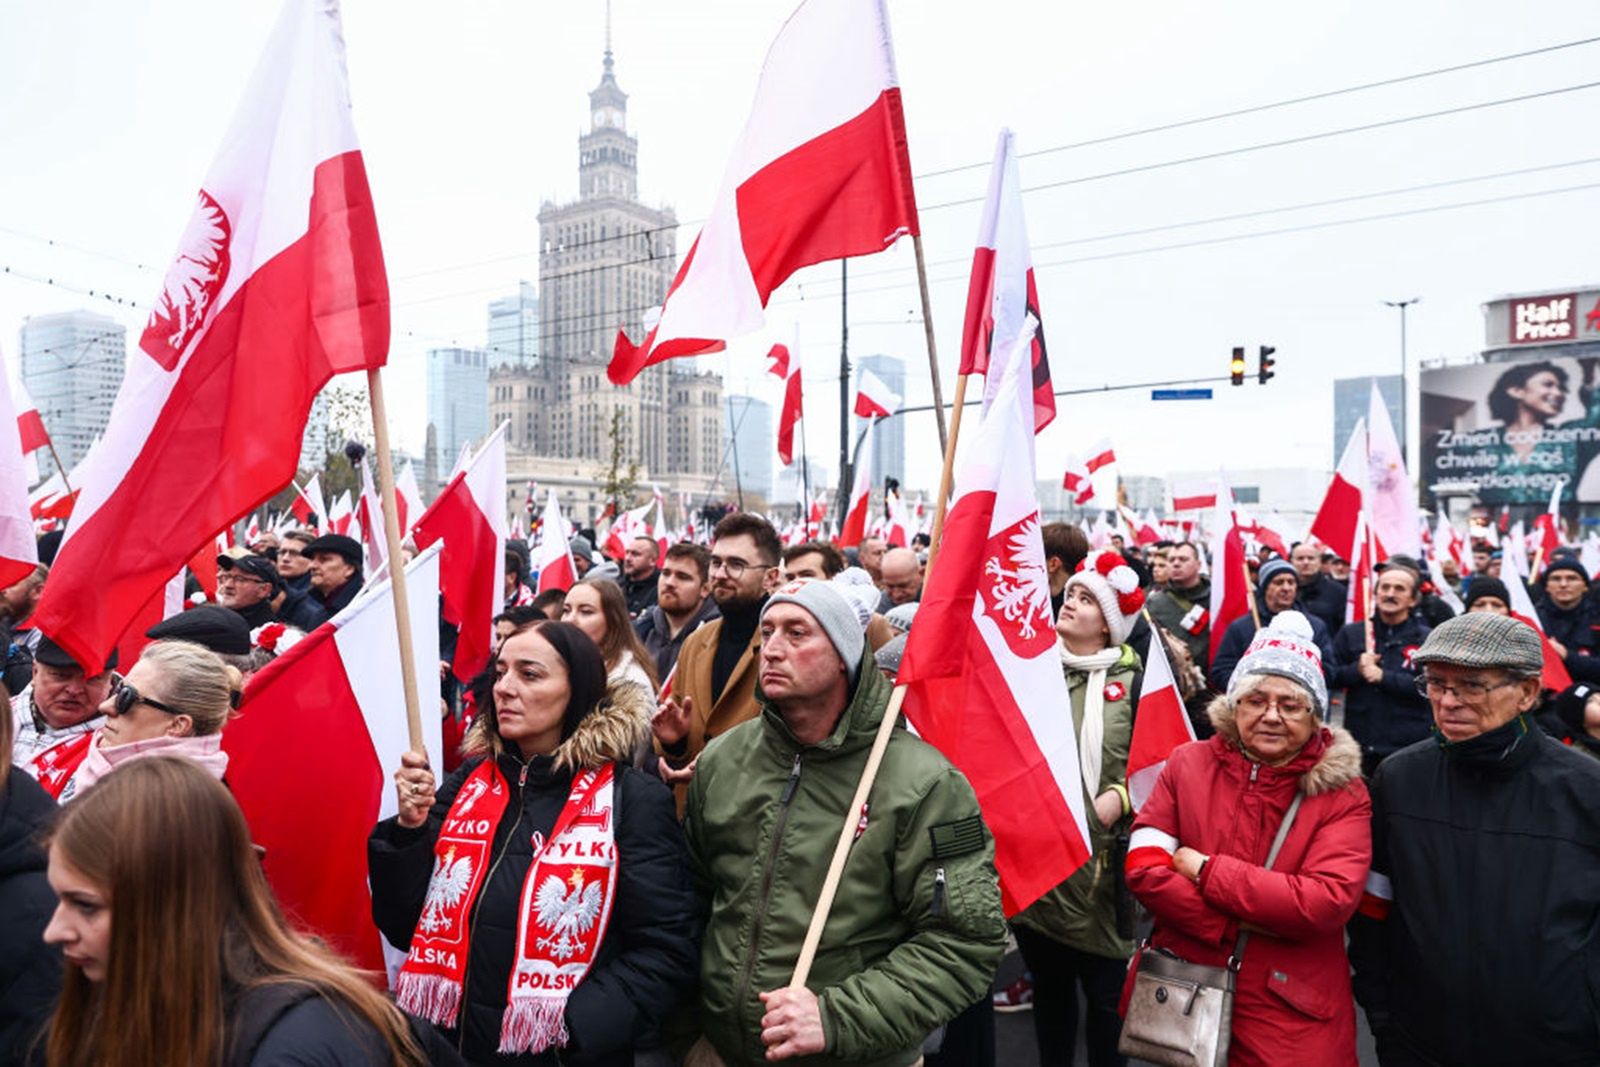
<point>1250,593</point>
<point>51,445</point>
<point>1371,550</point>
<point>397,571</point>
<point>891,714</point>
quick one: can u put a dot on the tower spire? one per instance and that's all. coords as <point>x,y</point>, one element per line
<point>608,37</point>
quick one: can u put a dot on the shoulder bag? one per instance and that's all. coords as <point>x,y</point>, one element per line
<point>1180,1014</point>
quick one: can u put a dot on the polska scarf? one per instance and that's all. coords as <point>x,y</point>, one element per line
<point>565,907</point>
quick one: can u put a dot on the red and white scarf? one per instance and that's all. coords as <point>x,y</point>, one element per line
<point>56,766</point>
<point>565,907</point>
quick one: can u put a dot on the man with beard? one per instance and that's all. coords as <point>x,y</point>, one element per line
<point>682,604</point>
<point>55,718</point>
<point>1184,606</point>
<point>713,689</point>
<point>1382,708</point>
<point>639,575</point>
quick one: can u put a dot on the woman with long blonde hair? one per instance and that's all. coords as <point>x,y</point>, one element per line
<point>175,950</point>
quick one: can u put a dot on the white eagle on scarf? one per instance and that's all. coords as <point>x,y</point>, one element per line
<point>568,916</point>
<point>451,879</point>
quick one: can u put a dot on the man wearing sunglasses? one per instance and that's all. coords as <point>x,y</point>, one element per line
<point>1478,938</point>
<point>56,716</point>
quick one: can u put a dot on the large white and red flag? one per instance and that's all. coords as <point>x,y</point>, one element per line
<point>1001,291</point>
<point>855,520</point>
<point>820,172</point>
<point>983,677</point>
<point>469,516</point>
<point>1391,498</point>
<point>1161,725</point>
<point>311,755</point>
<point>554,558</point>
<point>1230,573</point>
<point>874,398</point>
<point>1338,520</point>
<point>279,274</point>
<point>19,552</point>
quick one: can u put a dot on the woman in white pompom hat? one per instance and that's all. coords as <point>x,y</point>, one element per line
<point>1071,936</point>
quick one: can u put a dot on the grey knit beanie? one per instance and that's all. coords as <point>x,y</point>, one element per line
<point>834,613</point>
<point>1285,649</point>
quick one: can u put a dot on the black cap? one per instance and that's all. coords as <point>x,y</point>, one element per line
<point>213,626</point>
<point>1482,585</point>
<point>255,566</point>
<point>338,544</point>
<point>53,655</point>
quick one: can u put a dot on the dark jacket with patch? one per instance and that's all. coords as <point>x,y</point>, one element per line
<point>1479,942</point>
<point>1241,631</point>
<point>646,962</point>
<point>1387,716</point>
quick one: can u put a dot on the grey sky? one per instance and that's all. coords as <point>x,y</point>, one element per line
<point>469,114</point>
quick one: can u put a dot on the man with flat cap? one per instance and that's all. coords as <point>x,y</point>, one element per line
<point>55,717</point>
<point>1478,939</point>
<point>247,585</point>
<point>335,581</point>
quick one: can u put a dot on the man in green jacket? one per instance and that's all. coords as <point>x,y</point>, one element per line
<point>916,931</point>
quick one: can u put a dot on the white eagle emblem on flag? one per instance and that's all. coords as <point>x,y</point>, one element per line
<point>191,285</point>
<point>568,916</point>
<point>1020,593</point>
<point>452,877</point>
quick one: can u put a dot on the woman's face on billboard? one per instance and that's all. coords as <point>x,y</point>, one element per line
<point>1542,394</point>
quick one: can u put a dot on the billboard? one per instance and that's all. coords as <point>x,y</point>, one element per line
<point>1508,433</point>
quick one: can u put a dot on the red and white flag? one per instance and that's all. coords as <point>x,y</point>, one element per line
<point>308,504</point>
<point>630,524</point>
<point>1078,482</point>
<point>469,516</point>
<point>1549,527</point>
<point>820,172</point>
<point>779,367</point>
<point>341,515</point>
<point>407,498</point>
<point>29,422</point>
<point>312,752</point>
<point>1193,494</point>
<point>983,677</point>
<point>554,558</point>
<point>279,272</point>
<point>1101,455</point>
<point>874,398</point>
<point>1161,725</point>
<point>1230,593</point>
<point>1001,292</point>
<point>855,520</point>
<point>19,553</point>
<point>369,513</point>
<point>790,415</point>
<point>1515,558</point>
<point>1391,498</point>
<point>1338,521</point>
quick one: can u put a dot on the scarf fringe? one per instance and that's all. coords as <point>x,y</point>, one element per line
<point>430,996</point>
<point>533,1025</point>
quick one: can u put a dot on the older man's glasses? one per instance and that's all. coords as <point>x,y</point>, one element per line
<point>1289,708</point>
<point>1468,691</point>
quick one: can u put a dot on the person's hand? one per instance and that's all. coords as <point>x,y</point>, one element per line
<point>792,1025</point>
<point>676,775</point>
<point>1371,670</point>
<point>413,783</point>
<point>444,670</point>
<point>1186,861</point>
<point>671,721</point>
<point>1108,808</point>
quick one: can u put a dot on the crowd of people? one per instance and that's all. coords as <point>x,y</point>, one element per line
<point>619,857</point>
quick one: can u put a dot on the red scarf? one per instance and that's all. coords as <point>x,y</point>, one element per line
<point>565,906</point>
<point>55,766</point>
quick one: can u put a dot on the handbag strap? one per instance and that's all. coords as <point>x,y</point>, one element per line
<point>1272,855</point>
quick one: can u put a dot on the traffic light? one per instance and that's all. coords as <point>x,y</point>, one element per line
<point>1236,366</point>
<point>1267,362</point>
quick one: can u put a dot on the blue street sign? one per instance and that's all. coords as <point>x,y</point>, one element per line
<point>1180,394</point>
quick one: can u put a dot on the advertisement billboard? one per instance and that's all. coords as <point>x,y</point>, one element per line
<point>1508,433</point>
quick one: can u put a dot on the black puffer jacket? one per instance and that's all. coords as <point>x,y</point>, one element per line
<point>1324,598</point>
<point>1390,715</point>
<point>1578,630</point>
<point>648,959</point>
<point>30,970</point>
<point>1479,941</point>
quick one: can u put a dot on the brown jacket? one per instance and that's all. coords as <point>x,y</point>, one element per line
<point>692,678</point>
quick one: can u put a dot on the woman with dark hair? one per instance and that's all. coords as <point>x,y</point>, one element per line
<point>598,608</point>
<point>542,892</point>
<point>1526,398</point>
<point>30,970</point>
<point>176,951</point>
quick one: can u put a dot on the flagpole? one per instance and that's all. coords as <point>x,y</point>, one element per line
<point>1372,585</point>
<point>50,444</point>
<point>933,353</point>
<point>947,474</point>
<point>397,572</point>
<point>1250,593</point>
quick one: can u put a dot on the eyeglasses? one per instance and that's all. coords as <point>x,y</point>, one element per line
<point>1288,707</point>
<point>128,696</point>
<point>293,553</point>
<point>1466,692</point>
<point>735,567</point>
<point>230,577</point>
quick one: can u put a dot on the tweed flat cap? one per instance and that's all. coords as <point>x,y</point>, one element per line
<point>1483,639</point>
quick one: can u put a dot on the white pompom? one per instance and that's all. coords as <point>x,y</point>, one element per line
<point>1123,580</point>
<point>1292,622</point>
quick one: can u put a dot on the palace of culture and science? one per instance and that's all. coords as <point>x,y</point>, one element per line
<point>604,260</point>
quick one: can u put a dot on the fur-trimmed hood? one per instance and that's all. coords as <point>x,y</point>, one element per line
<point>610,732</point>
<point>1339,765</point>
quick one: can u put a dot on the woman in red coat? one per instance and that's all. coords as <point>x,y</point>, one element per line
<point>1197,853</point>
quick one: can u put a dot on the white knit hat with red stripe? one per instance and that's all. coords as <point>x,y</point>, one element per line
<point>1115,586</point>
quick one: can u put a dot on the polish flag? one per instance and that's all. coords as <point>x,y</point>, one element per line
<point>1549,527</point>
<point>790,415</point>
<point>308,504</point>
<point>407,498</point>
<point>1515,557</point>
<point>1230,595</point>
<point>1101,455</point>
<point>983,677</point>
<point>556,569</point>
<point>632,523</point>
<point>369,513</point>
<point>1001,292</point>
<point>1338,520</point>
<point>855,520</point>
<point>1358,606</point>
<point>779,367</point>
<point>518,533</point>
<point>820,172</point>
<point>341,515</point>
<point>330,711</point>
<point>1391,497</point>
<point>1077,481</point>
<point>897,531</point>
<point>19,552</point>
<point>1193,494</point>
<point>50,499</point>
<point>29,421</point>
<point>874,398</point>
<point>469,516</point>
<point>279,269</point>
<point>1161,726</point>
<point>659,528</point>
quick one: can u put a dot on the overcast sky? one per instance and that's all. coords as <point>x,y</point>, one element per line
<point>469,114</point>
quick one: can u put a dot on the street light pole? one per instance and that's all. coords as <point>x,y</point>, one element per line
<point>1404,436</point>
